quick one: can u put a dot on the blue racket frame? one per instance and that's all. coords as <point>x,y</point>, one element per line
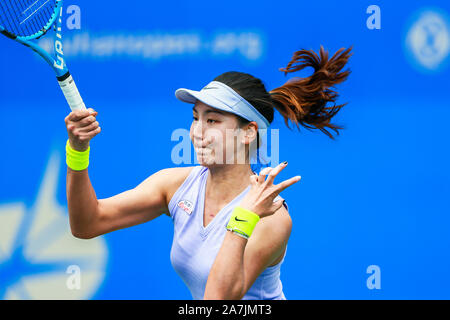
<point>57,62</point>
<point>27,41</point>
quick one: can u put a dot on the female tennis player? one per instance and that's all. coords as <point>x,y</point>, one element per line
<point>231,226</point>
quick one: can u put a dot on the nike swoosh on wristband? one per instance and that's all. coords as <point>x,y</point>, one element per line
<point>237,219</point>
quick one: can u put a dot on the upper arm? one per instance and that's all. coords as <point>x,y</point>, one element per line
<point>143,203</point>
<point>267,242</point>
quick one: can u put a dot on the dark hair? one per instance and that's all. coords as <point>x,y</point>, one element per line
<point>301,100</point>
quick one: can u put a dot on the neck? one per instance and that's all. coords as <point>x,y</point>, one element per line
<point>225,182</point>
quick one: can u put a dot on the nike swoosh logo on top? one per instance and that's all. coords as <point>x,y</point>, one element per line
<point>237,219</point>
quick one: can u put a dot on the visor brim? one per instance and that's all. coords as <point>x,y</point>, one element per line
<point>191,96</point>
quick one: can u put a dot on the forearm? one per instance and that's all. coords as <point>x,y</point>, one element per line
<point>226,277</point>
<point>82,202</point>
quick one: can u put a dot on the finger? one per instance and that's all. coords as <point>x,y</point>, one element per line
<point>254,179</point>
<point>88,136</point>
<point>88,128</point>
<point>263,173</point>
<point>273,173</point>
<point>71,127</point>
<point>86,121</point>
<point>92,112</point>
<point>278,204</point>
<point>287,183</point>
<point>77,115</point>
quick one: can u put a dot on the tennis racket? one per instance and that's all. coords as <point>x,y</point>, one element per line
<point>28,20</point>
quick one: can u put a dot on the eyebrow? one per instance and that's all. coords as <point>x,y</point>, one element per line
<point>211,111</point>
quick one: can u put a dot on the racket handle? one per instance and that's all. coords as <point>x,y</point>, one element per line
<point>71,93</point>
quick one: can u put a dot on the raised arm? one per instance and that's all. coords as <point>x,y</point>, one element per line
<point>90,217</point>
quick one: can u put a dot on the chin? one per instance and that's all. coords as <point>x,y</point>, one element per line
<point>205,161</point>
<point>208,161</point>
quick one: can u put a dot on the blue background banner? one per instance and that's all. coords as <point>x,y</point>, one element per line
<point>373,202</point>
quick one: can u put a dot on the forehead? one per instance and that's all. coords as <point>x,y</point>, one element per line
<point>201,107</point>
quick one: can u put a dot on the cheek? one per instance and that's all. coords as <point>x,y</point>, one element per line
<point>231,141</point>
<point>191,132</point>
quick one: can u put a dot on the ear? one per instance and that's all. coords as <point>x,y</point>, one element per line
<point>250,132</point>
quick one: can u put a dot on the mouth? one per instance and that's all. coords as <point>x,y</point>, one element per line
<point>203,146</point>
<point>202,149</point>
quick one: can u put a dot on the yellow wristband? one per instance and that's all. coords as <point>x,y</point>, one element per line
<point>77,160</point>
<point>242,221</point>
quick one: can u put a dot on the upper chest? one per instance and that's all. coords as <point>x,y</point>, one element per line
<point>210,212</point>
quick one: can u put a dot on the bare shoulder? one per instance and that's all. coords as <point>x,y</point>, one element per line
<point>172,179</point>
<point>280,223</point>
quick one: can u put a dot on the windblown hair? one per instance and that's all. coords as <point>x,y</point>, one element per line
<point>303,101</point>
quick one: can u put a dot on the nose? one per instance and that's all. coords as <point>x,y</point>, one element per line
<point>199,134</point>
<point>198,131</point>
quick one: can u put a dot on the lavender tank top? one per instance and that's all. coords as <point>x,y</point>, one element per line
<point>195,247</point>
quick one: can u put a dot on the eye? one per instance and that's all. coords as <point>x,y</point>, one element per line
<point>213,121</point>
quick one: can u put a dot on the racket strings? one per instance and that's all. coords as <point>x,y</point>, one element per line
<point>26,17</point>
<point>38,13</point>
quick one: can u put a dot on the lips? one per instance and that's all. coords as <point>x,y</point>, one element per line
<point>203,147</point>
<point>203,143</point>
<point>202,150</point>
<point>207,146</point>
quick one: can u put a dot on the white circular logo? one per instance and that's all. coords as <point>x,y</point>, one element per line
<point>428,40</point>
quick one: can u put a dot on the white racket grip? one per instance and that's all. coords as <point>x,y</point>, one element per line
<point>71,93</point>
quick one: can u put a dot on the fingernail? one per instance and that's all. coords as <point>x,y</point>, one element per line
<point>285,162</point>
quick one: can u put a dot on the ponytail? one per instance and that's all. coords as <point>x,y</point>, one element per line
<point>304,100</point>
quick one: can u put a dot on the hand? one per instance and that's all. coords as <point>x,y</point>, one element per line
<point>82,126</point>
<point>260,197</point>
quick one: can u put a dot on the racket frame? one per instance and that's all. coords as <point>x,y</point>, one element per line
<point>65,80</point>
